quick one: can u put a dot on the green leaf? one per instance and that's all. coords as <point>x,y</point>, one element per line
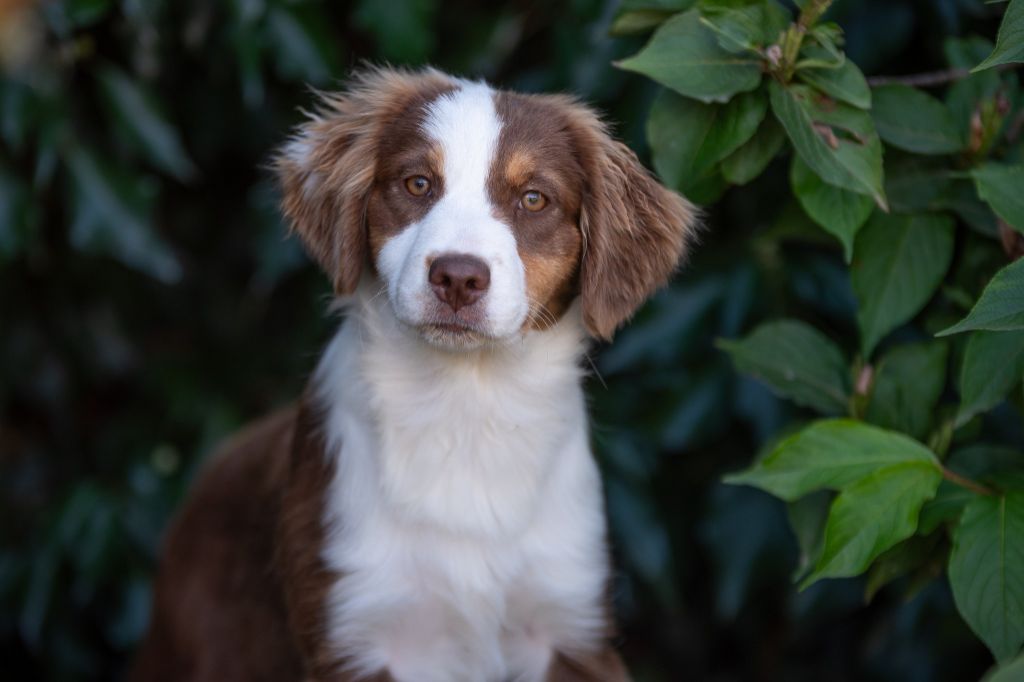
<point>913,120</point>
<point>906,557</point>
<point>747,162</point>
<point>839,211</point>
<point>640,16</point>
<point>684,55</point>
<point>908,382</point>
<point>688,137</point>
<point>846,84</point>
<point>1009,672</point>
<point>993,364</point>
<point>837,141</point>
<point>986,571</point>
<point>137,112</point>
<point>111,217</point>
<point>831,454</point>
<point>1003,188</point>
<point>797,362</point>
<point>898,263</point>
<point>1010,40</point>
<point>872,515</point>
<point>737,29</point>
<point>1001,305</point>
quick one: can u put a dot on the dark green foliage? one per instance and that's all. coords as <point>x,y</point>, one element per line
<point>150,304</point>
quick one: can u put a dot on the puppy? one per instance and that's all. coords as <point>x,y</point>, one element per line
<point>430,511</point>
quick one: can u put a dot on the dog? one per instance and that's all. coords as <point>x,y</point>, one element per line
<point>430,510</point>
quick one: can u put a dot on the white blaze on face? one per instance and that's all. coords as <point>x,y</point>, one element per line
<point>466,126</point>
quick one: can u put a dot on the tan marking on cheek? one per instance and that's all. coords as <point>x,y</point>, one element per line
<point>550,287</point>
<point>519,168</point>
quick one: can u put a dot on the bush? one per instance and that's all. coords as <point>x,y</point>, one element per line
<point>149,306</point>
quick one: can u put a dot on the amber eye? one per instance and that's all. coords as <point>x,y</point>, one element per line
<point>417,185</point>
<point>534,201</point>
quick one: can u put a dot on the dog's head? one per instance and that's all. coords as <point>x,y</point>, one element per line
<point>484,213</point>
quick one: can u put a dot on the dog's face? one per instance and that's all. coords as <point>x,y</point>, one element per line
<point>483,213</point>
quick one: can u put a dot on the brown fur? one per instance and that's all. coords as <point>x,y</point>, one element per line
<point>242,589</point>
<point>345,137</point>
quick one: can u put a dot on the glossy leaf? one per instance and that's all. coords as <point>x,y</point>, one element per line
<point>913,120</point>
<point>841,212</point>
<point>688,137</point>
<point>907,385</point>
<point>872,515</point>
<point>749,160</point>
<point>1001,306</point>
<point>797,362</point>
<point>1003,188</point>
<point>898,263</point>
<point>639,16</point>
<point>684,55</point>
<point>846,83</point>
<point>1010,40</point>
<point>986,571</point>
<point>837,141</point>
<point>831,454</point>
<point>993,364</point>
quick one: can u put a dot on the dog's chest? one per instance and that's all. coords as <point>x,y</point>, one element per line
<point>467,524</point>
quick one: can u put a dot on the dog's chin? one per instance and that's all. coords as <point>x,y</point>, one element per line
<point>453,336</point>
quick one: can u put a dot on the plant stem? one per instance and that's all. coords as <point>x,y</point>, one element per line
<point>929,78</point>
<point>793,38</point>
<point>967,483</point>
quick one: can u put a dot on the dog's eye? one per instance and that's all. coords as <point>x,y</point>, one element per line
<point>533,201</point>
<point>417,185</point>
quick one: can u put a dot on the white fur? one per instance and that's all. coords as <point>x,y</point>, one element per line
<point>462,221</point>
<point>465,516</point>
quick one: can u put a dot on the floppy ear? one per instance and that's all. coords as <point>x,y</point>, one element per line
<point>635,231</point>
<point>327,169</point>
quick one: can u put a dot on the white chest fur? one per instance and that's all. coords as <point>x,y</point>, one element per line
<point>465,516</point>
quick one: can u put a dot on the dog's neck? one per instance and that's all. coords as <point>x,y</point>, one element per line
<point>461,441</point>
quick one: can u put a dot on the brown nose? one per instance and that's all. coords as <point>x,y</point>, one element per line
<point>459,280</point>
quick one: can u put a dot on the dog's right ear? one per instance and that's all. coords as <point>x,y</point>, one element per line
<point>327,169</point>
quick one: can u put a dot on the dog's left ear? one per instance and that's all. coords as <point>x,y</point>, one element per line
<point>635,230</point>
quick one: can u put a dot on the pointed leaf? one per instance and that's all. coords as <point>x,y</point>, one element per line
<point>872,515</point>
<point>1010,40</point>
<point>1001,306</point>
<point>913,120</point>
<point>846,84</point>
<point>907,386</point>
<point>797,362</point>
<point>898,263</point>
<point>640,16</point>
<point>986,571</point>
<point>993,364</point>
<point>688,137</point>
<point>684,55</point>
<point>837,141</point>
<point>839,211</point>
<point>1003,188</point>
<point>747,162</point>
<point>830,454</point>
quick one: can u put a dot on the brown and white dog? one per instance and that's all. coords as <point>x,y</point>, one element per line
<point>431,511</point>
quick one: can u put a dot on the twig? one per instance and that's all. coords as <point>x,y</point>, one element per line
<point>967,483</point>
<point>930,78</point>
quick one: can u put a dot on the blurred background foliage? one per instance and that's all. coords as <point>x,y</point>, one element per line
<point>150,304</point>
